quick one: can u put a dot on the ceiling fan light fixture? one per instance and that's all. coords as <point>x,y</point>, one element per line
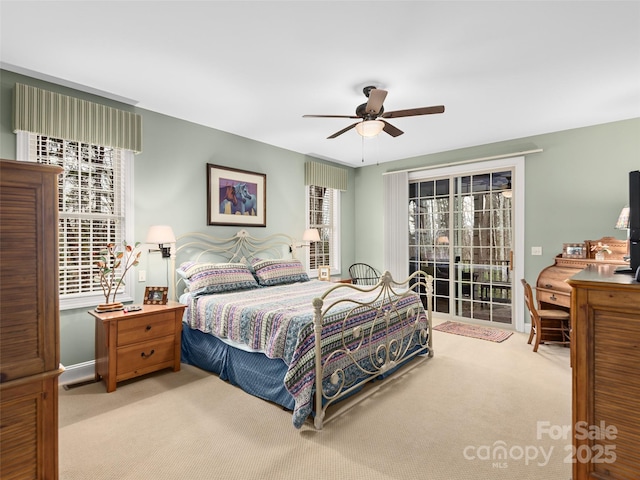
<point>370,128</point>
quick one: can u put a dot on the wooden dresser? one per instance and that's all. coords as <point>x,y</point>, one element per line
<point>605,354</point>
<point>29,321</point>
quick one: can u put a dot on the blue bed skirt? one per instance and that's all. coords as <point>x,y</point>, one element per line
<point>253,372</point>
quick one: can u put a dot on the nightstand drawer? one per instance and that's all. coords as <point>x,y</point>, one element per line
<point>144,357</point>
<point>141,329</point>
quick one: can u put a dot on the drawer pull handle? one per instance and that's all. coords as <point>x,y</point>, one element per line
<point>144,355</point>
<point>148,328</point>
<point>547,285</point>
<point>553,297</point>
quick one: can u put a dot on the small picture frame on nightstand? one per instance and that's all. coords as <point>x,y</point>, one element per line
<point>155,295</point>
<point>324,273</point>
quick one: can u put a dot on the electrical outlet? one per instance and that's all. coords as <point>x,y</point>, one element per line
<point>142,276</point>
<point>536,250</point>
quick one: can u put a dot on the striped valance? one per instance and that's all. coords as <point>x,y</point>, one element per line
<point>323,175</point>
<point>55,115</point>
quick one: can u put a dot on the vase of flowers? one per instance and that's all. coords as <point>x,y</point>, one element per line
<point>600,250</point>
<point>113,265</point>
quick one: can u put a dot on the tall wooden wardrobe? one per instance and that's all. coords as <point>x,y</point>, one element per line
<point>29,321</point>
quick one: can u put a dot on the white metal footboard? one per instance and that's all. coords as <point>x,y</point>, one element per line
<point>372,358</point>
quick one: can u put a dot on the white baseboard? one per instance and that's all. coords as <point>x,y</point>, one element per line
<point>80,372</point>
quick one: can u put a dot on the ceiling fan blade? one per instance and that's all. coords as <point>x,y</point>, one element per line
<point>413,112</point>
<point>329,116</point>
<point>391,130</point>
<point>343,130</point>
<point>376,99</point>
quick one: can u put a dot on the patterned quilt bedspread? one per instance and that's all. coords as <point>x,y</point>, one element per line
<point>278,321</point>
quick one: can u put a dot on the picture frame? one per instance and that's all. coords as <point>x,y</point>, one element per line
<point>324,273</point>
<point>574,250</point>
<point>236,197</point>
<point>155,295</point>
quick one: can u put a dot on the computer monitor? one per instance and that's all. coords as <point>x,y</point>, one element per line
<point>634,220</point>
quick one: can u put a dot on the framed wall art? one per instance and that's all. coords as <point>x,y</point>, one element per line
<point>236,197</point>
<point>155,295</point>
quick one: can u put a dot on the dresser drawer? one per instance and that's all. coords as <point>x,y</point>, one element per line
<point>621,300</point>
<point>144,357</point>
<point>556,298</point>
<point>141,329</point>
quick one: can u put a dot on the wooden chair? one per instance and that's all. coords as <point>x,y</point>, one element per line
<point>548,325</point>
<point>363,274</point>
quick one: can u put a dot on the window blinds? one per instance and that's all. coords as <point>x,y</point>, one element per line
<point>60,116</point>
<point>323,216</point>
<point>90,205</point>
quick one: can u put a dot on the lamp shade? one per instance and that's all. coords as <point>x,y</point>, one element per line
<point>160,234</point>
<point>623,219</point>
<point>311,235</point>
<point>370,128</point>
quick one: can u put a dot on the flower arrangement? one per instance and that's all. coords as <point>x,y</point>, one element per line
<point>600,249</point>
<point>111,259</point>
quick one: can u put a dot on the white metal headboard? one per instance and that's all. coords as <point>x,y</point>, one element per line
<point>241,247</point>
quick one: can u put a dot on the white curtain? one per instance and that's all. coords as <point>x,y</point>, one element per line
<point>396,224</point>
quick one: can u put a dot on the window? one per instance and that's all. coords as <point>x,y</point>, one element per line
<point>93,202</point>
<point>323,207</point>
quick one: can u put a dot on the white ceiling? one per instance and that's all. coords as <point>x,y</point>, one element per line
<point>503,70</point>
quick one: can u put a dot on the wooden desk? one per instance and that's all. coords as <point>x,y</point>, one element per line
<point>605,355</point>
<point>552,289</point>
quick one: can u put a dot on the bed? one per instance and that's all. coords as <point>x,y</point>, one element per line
<point>253,317</point>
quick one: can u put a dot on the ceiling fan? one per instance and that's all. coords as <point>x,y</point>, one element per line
<point>372,113</point>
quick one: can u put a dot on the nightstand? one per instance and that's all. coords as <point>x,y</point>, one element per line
<point>341,280</point>
<point>136,343</point>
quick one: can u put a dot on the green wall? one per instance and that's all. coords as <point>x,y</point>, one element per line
<point>170,188</point>
<point>575,189</point>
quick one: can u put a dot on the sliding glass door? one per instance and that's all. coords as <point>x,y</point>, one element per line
<point>461,232</point>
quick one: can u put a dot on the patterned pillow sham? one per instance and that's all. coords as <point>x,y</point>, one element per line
<point>206,278</point>
<point>279,272</point>
<point>183,269</point>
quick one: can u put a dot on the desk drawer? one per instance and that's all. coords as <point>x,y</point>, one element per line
<point>144,357</point>
<point>143,328</point>
<point>551,296</point>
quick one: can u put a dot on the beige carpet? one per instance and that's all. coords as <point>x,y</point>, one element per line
<point>442,420</point>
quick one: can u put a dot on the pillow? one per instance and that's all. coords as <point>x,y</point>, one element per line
<point>279,272</point>
<point>183,269</point>
<point>206,278</point>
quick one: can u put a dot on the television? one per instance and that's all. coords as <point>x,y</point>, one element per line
<point>634,221</point>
